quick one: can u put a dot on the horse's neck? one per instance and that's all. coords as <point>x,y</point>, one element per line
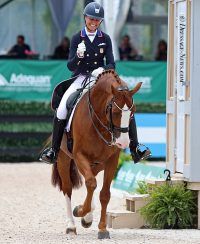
<point>101,90</point>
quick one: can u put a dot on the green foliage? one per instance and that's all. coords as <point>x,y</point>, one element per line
<point>26,127</point>
<point>26,142</point>
<point>150,108</point>
<point>25,108</point>
<point>123,157</point>
<point>170,206</point>
<point>44,108</point>
<point>142,187</point>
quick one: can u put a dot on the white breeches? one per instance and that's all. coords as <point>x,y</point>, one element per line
<point>62,110</point>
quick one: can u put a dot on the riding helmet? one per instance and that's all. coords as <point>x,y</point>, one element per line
<point>94,10</point>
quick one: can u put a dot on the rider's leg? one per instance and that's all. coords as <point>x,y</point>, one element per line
<point>136,153</point>
<point>50,155</point>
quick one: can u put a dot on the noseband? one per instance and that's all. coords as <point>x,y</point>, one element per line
<point>111,128</point>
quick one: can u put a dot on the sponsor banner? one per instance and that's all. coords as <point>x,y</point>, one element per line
<point>35,80</point>
<point>30,80</point>
<point>129,174</point>
<point>151,74</point>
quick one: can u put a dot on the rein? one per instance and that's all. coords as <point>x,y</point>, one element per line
<point>111,128</point>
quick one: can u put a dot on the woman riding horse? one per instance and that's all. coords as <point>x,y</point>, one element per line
<point>88,49</point>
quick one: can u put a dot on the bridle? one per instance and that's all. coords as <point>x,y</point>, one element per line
<point>111,128</point>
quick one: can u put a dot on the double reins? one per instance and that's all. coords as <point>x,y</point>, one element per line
<point>111,128</point>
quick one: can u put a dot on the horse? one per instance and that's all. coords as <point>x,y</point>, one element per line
<point>99,131</point>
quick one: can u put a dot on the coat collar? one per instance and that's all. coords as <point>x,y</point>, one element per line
<point>83,33</point>
<point>92,45</point>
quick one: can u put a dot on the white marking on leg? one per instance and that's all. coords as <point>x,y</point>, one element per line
<point>69,219</point>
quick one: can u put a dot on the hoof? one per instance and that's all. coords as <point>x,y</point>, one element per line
<point>103,235</point>
<point>71,231</point>
<point>75,211</point>
<point>85,224</point>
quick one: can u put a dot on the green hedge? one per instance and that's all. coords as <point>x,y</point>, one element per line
<point>42,108</point>
<point>39,108</point>
<point>25,108</point>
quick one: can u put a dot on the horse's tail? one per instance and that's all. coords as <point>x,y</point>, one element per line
<point>74,176</point>
<point>55,177</point>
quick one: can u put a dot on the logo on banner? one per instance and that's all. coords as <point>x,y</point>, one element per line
<point>3,81</point>
<point>26,82</point>
<point>132,81</point>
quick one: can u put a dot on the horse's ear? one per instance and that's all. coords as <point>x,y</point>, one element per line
<point>136,88</point>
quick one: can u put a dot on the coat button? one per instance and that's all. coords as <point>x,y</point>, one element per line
<point>87,63</point>
<point>87,71</point>
<point>96,54</point>
<point>87,55</point>
<point>95,62</point>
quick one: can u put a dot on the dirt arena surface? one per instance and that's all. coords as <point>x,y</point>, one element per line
<point>32,211</point>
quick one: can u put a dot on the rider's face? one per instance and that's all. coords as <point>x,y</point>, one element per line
<point>92,24</point>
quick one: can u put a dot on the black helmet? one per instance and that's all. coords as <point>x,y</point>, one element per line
<point>94,10</point>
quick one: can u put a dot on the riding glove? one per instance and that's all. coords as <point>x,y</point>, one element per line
<point>81,49</point>
<point>97,72</point>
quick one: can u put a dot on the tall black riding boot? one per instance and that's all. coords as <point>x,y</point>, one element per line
<point>134,145</point>
<point>49,155</point>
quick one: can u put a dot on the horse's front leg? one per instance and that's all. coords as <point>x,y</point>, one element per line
<point>109,171</point>
<point>90,181</point>
<point>87,220</point>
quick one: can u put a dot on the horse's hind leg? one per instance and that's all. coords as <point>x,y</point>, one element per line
<point>109,171</point>
<point>63,166</point>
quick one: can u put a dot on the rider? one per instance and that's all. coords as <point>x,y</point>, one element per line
<point>88,49</point>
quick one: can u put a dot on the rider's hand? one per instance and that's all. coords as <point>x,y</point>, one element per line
<point>97,72</point>
<point>81,49</point>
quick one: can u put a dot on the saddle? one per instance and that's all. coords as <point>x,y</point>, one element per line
<point>58,93</point>
<point>71,102</point>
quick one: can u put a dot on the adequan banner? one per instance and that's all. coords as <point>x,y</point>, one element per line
<point>30,80</point>
<point>151,74</point>
<point>35,80</point>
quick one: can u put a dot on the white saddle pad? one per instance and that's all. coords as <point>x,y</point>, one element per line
<point>71,116</point>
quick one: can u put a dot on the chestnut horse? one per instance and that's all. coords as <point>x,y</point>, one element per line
<point>98,129</point>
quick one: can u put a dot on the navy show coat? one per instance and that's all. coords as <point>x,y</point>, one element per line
<point>96,52</point>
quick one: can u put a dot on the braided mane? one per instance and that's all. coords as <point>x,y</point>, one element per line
<point>109,71</point>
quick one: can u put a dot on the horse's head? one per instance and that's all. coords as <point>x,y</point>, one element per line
<point>119,105</point>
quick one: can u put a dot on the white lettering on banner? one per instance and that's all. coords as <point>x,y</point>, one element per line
<point>121,175</point>
<point>3,81</point>
<point>129,176</point>
<point>182,47</point>
<point>30,80</point>
<point>26,83</point>
<point>132,81</point>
